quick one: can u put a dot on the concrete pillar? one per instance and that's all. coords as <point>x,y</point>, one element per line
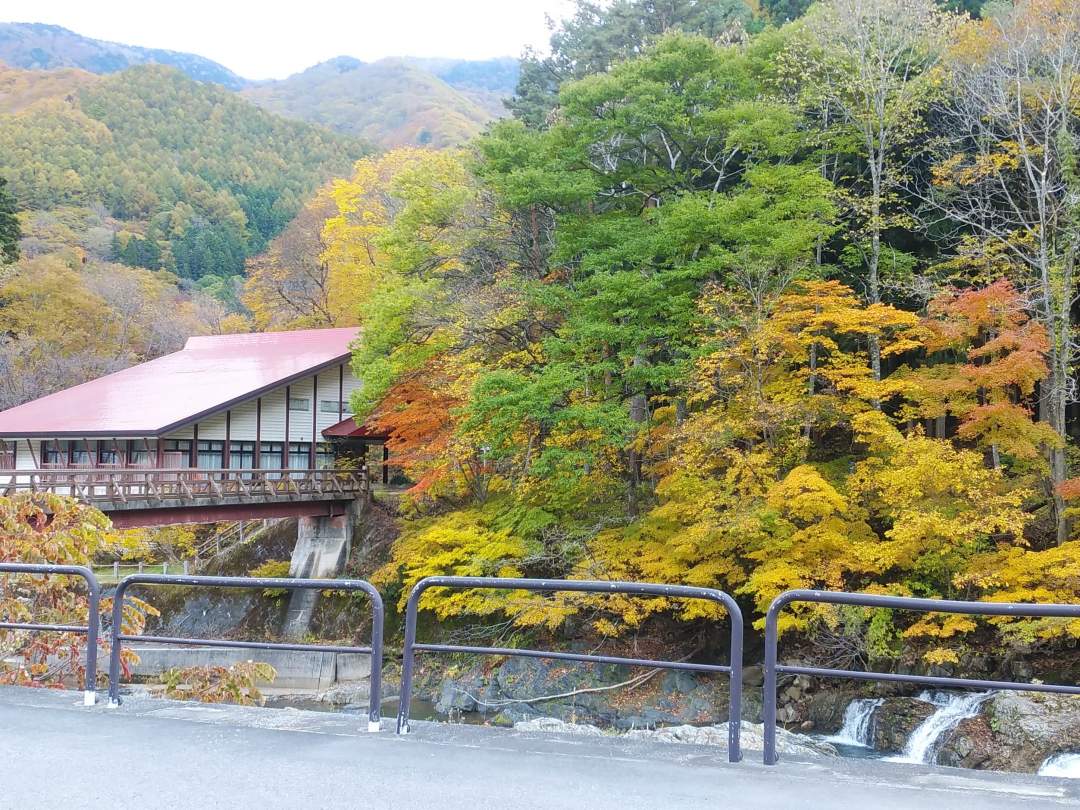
<point>322,548</point>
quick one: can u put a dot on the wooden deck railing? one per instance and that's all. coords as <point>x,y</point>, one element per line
<point>124,485</point>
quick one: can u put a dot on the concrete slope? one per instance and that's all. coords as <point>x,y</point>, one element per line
<point>149,753</point>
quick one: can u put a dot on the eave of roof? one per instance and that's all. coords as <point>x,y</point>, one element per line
<point>348,429</point>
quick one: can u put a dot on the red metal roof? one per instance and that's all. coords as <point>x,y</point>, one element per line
<point>347,428</point>
<point>209,374</point>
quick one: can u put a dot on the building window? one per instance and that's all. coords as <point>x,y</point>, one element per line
<point>140,455</point>
<point>176,453</point>
<point>52,455</point>
<point>241,455</point>
<point>7,456</point>
<point>299,455</point>
<point>79,454</point>
<point>107,454</point>
<point>211,454</point>
<point>332,406</point>
<point>324,456</point>
<point>299,404</point>
<point>270,456</point>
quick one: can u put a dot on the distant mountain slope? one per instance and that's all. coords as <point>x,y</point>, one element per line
<point>486,82</point>
<point>392,102</point>
<point>20,89</point>
<point>38,46</point>
<point>203,177</point>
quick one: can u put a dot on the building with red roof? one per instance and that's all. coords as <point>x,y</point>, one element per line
<point>254,401</point>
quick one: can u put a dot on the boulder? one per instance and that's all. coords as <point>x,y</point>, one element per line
<point>895,719</point>
<point>557,726</point>
<point>968,745</point>
<point>1016,731</point>
<point>825,710</point>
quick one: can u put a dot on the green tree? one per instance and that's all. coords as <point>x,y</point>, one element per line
<point>9,225</point>
<point>598,35</point>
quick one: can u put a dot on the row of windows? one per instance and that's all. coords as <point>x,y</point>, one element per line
<point>176,453</point>
<point>325,405</point>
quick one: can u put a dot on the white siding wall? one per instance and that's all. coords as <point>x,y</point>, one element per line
<point>24,459</point>
<point>181,433</point>
<point>244,421</point>
<point>273,416</point>
<point>351,384</point>
<point>300,421</point>
<point>213,427</point>
<point>329,384</point>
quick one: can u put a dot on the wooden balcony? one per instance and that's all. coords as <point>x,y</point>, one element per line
<point>142,497</point>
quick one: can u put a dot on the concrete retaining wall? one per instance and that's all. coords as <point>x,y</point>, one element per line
<point>307,671</point>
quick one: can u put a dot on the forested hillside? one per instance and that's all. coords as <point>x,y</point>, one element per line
<point>736,304</point>
<point>201,177</point>
<point>38,46</point>
<point>141,196</point>
<point>392,102</point>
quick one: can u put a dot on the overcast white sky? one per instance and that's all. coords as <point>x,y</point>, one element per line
<point>272,39</point>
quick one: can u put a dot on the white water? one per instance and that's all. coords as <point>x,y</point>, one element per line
<point>858,727</point>
<point>1065,765</point>
<point>952,708</point>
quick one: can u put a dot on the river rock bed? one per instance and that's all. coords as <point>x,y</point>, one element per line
<point>751,735</point>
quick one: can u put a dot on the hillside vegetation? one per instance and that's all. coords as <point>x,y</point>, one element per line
<point>199,177</point>
<point>390,102</point>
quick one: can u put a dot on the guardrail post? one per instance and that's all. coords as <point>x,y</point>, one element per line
<point>375,677</point>
<point>114,641</point>
<point>408,656</point>
<point>116,569</point>
<point>768,710</point>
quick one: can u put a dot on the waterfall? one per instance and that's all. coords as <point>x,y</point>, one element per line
<point>1063,765</point>
<point>952,708</point>
<point>858,728</point>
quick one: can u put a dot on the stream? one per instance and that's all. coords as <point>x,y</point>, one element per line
<point>856,737</point>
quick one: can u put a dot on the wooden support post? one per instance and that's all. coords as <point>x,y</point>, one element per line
<point>314,420</point>
<point>257,461</point>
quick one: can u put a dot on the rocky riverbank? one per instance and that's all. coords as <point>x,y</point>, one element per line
<point>606,696</point>
<point>1002,731</point>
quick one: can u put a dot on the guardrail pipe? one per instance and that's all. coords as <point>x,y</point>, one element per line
<point>772,668</point>
<point>377,616</point>
<point>733,669</point>
<point>93,620</point>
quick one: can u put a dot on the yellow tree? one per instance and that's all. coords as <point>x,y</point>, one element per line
<point>45,528</point>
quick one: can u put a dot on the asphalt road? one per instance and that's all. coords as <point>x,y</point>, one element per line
<point>161,754</point>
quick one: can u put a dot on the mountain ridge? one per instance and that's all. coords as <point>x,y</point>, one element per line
<point>43,46</point>
<point>395,101</point>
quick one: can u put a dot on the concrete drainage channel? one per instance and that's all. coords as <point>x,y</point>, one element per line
<point>313,666</point>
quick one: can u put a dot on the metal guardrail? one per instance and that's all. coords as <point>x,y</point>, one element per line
<point>895,603</point>
<point>375,650</point>
<point>734,668</point>
<point>93,621</point>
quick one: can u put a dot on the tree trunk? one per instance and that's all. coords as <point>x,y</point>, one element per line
<point>639,412</point>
